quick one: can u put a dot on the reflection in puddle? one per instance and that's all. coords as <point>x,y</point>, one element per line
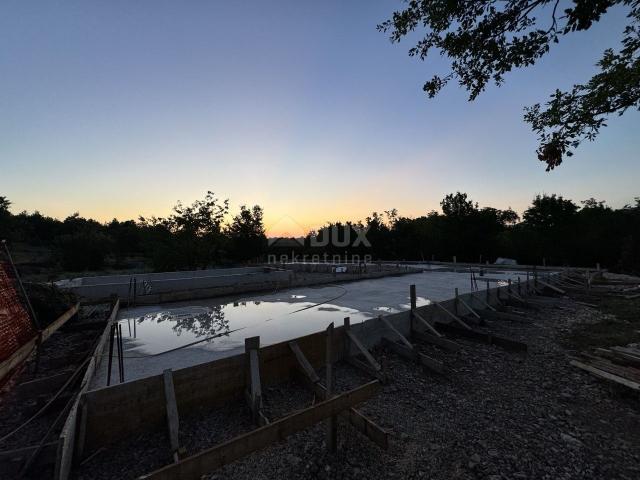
<point>224,327</point>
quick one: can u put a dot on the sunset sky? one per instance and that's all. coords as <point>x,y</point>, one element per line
<point>119,109</point>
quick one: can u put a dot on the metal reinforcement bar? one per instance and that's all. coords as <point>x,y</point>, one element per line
<point>67,445</point>
<point>208,460</point>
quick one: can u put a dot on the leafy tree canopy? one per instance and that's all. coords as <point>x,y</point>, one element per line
<point>485,39</point>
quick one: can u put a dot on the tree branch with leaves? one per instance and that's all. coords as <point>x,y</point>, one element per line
<point>486,39</point>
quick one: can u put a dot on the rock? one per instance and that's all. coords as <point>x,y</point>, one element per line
<point>571,440</point>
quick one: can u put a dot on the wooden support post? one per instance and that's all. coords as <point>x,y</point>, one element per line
<point>304,364</point>
<point>426,324</point>
<point>359,421</point>
<point>407,350</point>
<point>173,420</point>
<point>488,293</point>
<point>505,343</point>
<point>332,421</point>
<point>363,350</point>
<point>193,467</point>
<point>455,302</point>
<point>254,390</point>
<point>468,307</point>
<point>477,297</point>
<point>454,317</point>
<point>414,303</point>
<point>552,287</point>
<point>411,354</point>
<point>436,340</point>
<point>395,331</point>
<point>413,297</point>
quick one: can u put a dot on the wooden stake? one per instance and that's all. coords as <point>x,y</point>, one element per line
<point>332,421</point>
<point>426,324</point>
<point>206,461</point>
<point>173,420</point>
<point>394,330</point>
<point>455,317</point>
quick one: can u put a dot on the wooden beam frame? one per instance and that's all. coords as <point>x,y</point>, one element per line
<point>481,300</point>
<point>173,419</point>
<point>25,350</point>
<point>308,376</point>
<point>413,355</point>
<point>426,324</point>
<point>552,287</point>
<point>454,317</point>
<point>253,391</point>
<point>439,341</point>
<point>469,309</point>
<point>193,467</point>
<point>373,366</point>
<point>332,421</point>
<point>487,338</point>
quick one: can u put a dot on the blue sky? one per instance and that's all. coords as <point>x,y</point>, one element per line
<point>115,109</point>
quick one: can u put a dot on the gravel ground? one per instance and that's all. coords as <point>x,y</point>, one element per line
<point>495,415</point>
<point>61,353</point>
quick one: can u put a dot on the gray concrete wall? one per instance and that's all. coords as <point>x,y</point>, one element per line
<point>154,284</point>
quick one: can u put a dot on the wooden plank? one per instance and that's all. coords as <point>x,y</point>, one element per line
<point>23,352</point>
<point>426,324</point>
<point>490,339</point>
<point>396,332</point>
<point>413,355</point>
<point>365,367</point>
<point>512,317</point>
<point>634,352</point>
<point>332,422</point>
<point>454,317</point>
<point>606,375</point>
<point>359,421</point>
<point>193,467</point>
<point>619,357</point>
<point>482,300</point>
<point>59,322</point>
<point>552,287</point>
<point>439,341</point>
<point>466,305</point>
<point>173,419</point>
<point>117,411</point>
<point>18,357</point>
<point>372,361</point>
<point>304,363</point>
<point>256,388</point>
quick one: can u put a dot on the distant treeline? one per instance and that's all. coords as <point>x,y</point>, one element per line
<point>192,237</point>
<point>553,229</point>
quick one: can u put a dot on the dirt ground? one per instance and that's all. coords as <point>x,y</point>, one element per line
<point>60,355</point>
<point>495,415</point>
